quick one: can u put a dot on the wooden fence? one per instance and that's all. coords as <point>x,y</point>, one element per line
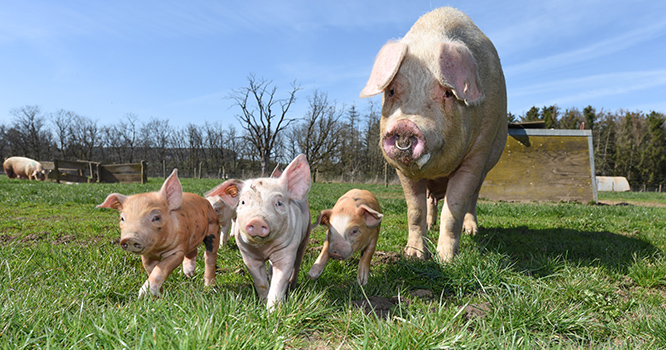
<point>86,171</point>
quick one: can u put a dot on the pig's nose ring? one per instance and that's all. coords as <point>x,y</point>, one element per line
<point>405,147</point>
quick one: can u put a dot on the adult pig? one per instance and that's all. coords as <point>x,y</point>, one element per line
<point>443,124</point>
<point>353,226</point>
<point>272,224</point>
<point>23,168</point>
<point>165,228</point>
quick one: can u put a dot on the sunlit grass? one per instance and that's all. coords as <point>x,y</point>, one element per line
<point>560,275</point>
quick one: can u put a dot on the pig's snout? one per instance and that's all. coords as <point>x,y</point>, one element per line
<point>257,227</point>
<point>334,254</point>
<point>404,142</point>
<point>131,245</point>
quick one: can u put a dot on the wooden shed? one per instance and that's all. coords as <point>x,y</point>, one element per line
<point>544,165</point>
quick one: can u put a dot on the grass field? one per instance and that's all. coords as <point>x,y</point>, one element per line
<point>550,275</point>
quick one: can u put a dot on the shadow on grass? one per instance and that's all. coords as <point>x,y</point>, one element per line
<point>534,250</point>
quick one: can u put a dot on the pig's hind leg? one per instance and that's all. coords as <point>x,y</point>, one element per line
<point>212,243</point>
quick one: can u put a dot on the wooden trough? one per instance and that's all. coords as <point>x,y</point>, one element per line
<point>544,165</point>
<point>86,171</point>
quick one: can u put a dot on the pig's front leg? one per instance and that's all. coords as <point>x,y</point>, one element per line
<point>282,272</point>
<point>462,187</point>
<point>415,196</point>
<point>159,273</point>
<point>320,263</point>
<point>257,269</point>
<point>364,264</point>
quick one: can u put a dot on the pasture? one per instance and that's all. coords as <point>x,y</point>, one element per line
<point>550,275</point>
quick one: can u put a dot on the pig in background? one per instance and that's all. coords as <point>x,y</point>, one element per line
<point>165,228</point>
<point>272,224</point>
<point>23,168</point>
<point>443,124</point>
<point>353,226</point>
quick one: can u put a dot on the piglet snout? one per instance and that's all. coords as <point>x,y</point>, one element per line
<point>131,245</point>
<point>257,227</point>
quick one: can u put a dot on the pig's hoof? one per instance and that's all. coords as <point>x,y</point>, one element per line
<point>470,228</point>
<point>412,252</point>
<point>362,277</point>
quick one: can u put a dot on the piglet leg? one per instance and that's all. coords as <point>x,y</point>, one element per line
<point>159,273</point>
<point>364,264</point>
<point>321,262</point>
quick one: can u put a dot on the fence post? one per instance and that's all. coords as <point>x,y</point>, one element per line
<point>316,172</point>
<point>57,171</point>
<point>199,170</point>
<point>144,175</point>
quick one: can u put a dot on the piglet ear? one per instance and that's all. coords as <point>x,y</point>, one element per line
<point>297,177</point>
<point>228,191</point>
<point>458,69</point>
<point>172,191</point>
<point>323,219</point>
<point>276,172</point>
<point>372,217</point>
<point>113,201</point>
<point>386,66</point>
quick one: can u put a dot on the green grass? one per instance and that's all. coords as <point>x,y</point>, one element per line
<point>550,275</point>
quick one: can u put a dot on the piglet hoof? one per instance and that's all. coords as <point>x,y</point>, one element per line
<point>315,272</point>
<point>363,273</point>
<point>189,267</point>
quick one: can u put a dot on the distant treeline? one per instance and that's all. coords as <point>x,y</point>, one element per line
<point>340,142</point>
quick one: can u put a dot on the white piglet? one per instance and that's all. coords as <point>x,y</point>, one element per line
<point>272,224</point>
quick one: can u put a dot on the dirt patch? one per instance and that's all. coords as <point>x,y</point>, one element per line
<point>386,258</point>
<point>35,237</point>
<point>633,203</point>
<point>476,311</point>
<point>380,306</point>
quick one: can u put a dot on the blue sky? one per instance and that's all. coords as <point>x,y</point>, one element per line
<point>180,60</point>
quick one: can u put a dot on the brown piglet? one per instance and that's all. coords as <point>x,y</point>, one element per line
<point>353,226</point>
<point>165,228</point>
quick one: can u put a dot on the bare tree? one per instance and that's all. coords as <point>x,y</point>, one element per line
<point>62,122</point>
<point>319,136</point>
<point>87,135</point>
<point>258,117</point>
<point>128,132</point>
<point>31,137</point>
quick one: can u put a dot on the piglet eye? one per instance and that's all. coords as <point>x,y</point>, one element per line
<point>242,202</point>
<point>448,93</point>
<point>157,218</point>
<point>390,92</point>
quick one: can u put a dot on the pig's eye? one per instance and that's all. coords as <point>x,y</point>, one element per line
<point>355,231</point>
<point>448,93</point>
<point>157,218</point>
<point>390,92</point>
<point>279,203</point>
<point>242,202</point>
<point>122,218</point>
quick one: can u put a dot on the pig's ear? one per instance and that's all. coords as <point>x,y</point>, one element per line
<point>228,191</point>
<point>113,201</point>
<point>458,69</point>
<point>297,177</point>
<point>323,219</point>
<point>276,172</point>
<point>172,191</point>
<point>372,217</point>
<point>386,66</point>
